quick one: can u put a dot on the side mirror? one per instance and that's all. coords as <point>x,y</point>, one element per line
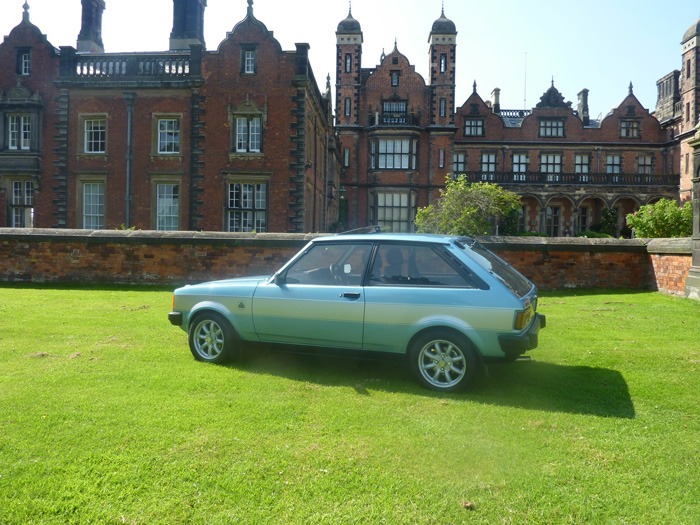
<point>280,279</point>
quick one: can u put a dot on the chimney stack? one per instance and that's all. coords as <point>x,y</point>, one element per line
<point>496,100</point>
<point>188,24</point>
<point>90,37</point>
<point>583,107</point>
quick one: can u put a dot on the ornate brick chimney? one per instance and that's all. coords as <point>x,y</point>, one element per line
<point>90,37</point>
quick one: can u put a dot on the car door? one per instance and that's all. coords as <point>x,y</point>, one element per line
<point>318,300</point>
<point>412,286</point>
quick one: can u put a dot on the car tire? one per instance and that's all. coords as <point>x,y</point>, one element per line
<point>212,338</point>
<point>443,360</point>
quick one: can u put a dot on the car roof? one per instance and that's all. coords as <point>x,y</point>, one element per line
<point>391,237</point>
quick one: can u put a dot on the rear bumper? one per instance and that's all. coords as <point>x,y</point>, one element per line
<point>515,345</point>
<point>175,318</point>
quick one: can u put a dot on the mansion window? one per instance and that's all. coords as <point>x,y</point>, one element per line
<point>443,63</point>
<point>395,78</point>
<point>474,127</point>
<point>582,167</point>
<point>22,204</point>
<point>19,132</point>
<point>249,59</point>
<point>348,62</point>
<point>167,207</point>
<point>488,166</point>
<point>394,211</point>
<point>168,136</point>
<point>630,129</point>
<point>348,107</point>
<point>441,158</point>
<point>520,166</point>
<point>247,207</point>
<point>552,220</point>
<point>552,128</point>
<point>24,61</point>
<point>522,219</point>
<point>550,166</point>
<point>346,157</point>
<point>584,219</point>
<point>645,164</point>
<point>443,107</point>
<point>248,134</point>
<point>95,135</point>
<point>393,154</point>
<point>93,205</point>
<point>613,166</point>
<point>459,164</point>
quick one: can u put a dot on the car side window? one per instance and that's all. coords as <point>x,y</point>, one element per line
<point>413,265</point>
<point>330,265</point>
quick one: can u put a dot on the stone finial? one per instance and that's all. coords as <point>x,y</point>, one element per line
<point>630,89</point>
<point>25,15</point>
<point>474,87</point>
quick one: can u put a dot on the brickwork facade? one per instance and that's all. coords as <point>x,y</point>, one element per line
<point>236,139</point>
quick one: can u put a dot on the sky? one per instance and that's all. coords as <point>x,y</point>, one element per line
<point>519,46</point>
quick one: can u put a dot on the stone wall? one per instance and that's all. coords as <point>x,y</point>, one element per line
<point>176,258</point>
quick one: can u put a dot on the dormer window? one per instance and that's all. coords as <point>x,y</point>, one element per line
<point>24,61</point>
<point>249,59</point>
<point>630,129</point>
<point>474,127</point>
<point>394,78</point>
<point>551,128</point>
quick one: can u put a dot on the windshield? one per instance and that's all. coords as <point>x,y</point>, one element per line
<point>498,267</point>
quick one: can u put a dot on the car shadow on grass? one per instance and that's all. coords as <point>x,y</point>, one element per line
<point>552,387</point>
<point>530,385</point>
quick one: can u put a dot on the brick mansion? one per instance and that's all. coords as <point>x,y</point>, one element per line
<point>244,138</point>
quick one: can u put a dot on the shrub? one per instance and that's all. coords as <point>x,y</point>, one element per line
<point>662,219</point>
<point>466,209</point>
<point>590,234</point>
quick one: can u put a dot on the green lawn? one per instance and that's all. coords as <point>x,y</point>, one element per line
<point>105,417</point>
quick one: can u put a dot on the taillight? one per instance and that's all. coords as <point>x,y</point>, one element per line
<point>520,321</point>
<point>173,308</point>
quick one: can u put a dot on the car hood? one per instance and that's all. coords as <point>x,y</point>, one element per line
<point>237,282</point>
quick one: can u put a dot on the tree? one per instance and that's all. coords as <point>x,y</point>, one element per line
<point>662,219</point>
<point>466,209</point>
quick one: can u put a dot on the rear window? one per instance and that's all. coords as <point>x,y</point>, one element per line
<point>498,267</point>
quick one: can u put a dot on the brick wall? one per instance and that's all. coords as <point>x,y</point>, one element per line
<point>175,258</point>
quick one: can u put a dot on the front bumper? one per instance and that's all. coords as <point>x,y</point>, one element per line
<point>175,318</point>
<point>515,345</point>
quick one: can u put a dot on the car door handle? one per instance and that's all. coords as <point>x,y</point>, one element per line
<point>350,295</point>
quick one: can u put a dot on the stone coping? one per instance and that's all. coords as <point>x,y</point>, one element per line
<point>576,244</point>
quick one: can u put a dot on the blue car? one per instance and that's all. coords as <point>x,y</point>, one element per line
<point>445,302</point>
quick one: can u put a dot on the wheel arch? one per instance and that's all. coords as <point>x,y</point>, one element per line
<point>448,328</point>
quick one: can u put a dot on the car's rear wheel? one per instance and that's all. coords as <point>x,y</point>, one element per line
<point>443,360</point>
<point>212,338</point>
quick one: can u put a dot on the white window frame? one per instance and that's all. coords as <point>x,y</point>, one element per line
<point>19,132</point>
<point>249,61</point>
<point>459,163</point>
<point>167,206</point>
<point>394,154</point>
<point>645,164</point>
<point>22,204</point>
<point>168,136</point>
<point>95,135</point>
<point>93,206</point>
<point>582,167</point>
<point>247,206</point>
<point>248,134</point>
<point>394,210</point>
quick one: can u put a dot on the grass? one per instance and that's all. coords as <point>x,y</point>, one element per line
<point>106,418</point>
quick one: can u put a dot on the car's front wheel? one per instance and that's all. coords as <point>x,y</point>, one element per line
<point>212,338</point>
<point>443,360</point>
